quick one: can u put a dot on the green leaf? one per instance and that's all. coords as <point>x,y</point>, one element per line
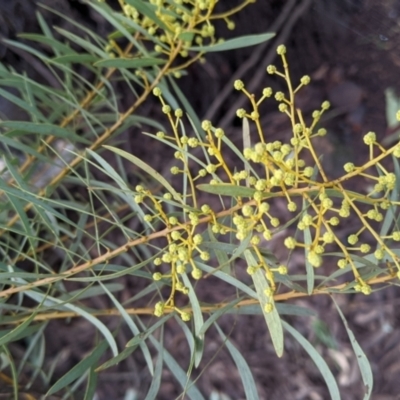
<point>59,304</point>
<point>147,10</point>
<point>221,311</point>
<point>18,332</point>
<point>191,390</point>
<point>130,62</point>
<point>77,58</point>
<point>79,369</point>
<point>197,317</point>
<point>132,326</point>
<point>118,358</point>
<point>318,360</point>
<point>309,267</point>
<point>362,360</point>
<point>237,43</point>
<point>156,382</point>
<point>21,128</point>
<point>227,189</point>
<point>228,279</point>
<point>49,41</point>
<point>272,318</point>
<point>22,104</point>
<point>249,384</point>
<point>145,167</point>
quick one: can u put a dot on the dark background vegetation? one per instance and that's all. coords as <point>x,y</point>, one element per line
<point>351,50</point>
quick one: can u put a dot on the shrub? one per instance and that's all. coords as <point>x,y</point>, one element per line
<point>75,221</point>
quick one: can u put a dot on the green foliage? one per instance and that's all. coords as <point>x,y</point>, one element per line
<point>207,215</point>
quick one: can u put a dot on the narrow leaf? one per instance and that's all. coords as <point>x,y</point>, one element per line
<point>145,167</point>
<point>130,62</point>
<point>318,360</point>
<point>237,43</point>
<point>79,369</point>
<point>249,384</point>
<point>362,360</point>
<point>272,318</point>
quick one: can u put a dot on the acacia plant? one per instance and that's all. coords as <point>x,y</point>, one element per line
<point>75,223</point>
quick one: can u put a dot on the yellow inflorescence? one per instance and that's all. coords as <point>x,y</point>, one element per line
<point>286,174</point>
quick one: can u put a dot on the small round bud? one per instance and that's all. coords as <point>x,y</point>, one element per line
<point>238,84</point>
<point>197,274</point>
<point>282,269</point>
<point>173,220</point>
<point>365,248</point>
<point>241,113</point>
<point>327,203</point>
<point>275,222</point>
<point>263,208</point>
<point>316,114</point>
<point>305,80</point>
<point>267,235</point>
<point>185,316</point>
<point>352,239</point>
<point>370,138</point>
<point>279,96</point>
<point>175,235</point>
<point>159,309</point>
<point>206,125</point>
<point>379,254</point>
<point>205,256</point>
<point>308,172</point>
<point>292,207</point>
<point>178,113</point>
<point>342,263</point>
<point>193,142</point>
<point>197,239</point>
<point>166,109</point>
<point>247,210</point>
<point>325,105</point>
<point>202,172</point>
<point>349,167</point>
<point>157,92</point>
<point>181,269</point>
<point>290,243</point>
<point>219,133</point>
<point>157,261</point>
<point>314,259</point>
<point>281,50</point>
<point>211,168</point>
<point>271,69</point>
<point>157,276</point>
<point>396,236</point>
<point>268,308</point>
<point>366,289</point>
<point>205,208</point>
<point>139,198</point>
<point>175,170</point>
<point>328,237</point>
<point>254,115</point>
<point>251,270</point>
<point>283,107</point>
<point>267,92</point>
